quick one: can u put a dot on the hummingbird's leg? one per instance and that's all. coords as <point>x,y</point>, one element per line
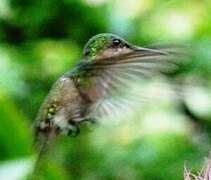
<point>74,131</point>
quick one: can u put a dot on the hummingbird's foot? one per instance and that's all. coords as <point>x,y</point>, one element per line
<point>74,131</point>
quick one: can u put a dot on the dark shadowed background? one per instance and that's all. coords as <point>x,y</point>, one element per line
<point>40,40</point>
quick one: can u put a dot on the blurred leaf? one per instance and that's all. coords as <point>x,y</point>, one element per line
<point>16,169</point>
<point>15,135</point>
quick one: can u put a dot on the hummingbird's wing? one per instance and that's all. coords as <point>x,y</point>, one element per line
<point>112,78</point>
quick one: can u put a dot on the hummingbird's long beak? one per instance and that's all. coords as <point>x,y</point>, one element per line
<point>148,50</point>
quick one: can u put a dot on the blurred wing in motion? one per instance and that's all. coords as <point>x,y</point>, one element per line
<point>112,78</point>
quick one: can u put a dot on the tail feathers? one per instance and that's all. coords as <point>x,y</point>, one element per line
<point>42,143</point>
<point>41,147</point>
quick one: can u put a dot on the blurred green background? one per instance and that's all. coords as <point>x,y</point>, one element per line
<point>40,40</point>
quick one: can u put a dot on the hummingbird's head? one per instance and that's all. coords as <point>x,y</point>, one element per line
<point>106,45</point>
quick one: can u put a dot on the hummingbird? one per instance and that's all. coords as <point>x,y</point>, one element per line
<point>108,65</point>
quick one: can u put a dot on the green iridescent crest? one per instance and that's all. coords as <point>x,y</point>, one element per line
<point>97,43</point>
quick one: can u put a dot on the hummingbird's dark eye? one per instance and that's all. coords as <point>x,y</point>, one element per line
<point>116,42</point>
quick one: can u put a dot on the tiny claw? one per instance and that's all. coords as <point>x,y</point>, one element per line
<point>74,132</point>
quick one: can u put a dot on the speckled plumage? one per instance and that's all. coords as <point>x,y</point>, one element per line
<point>95,44</point>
